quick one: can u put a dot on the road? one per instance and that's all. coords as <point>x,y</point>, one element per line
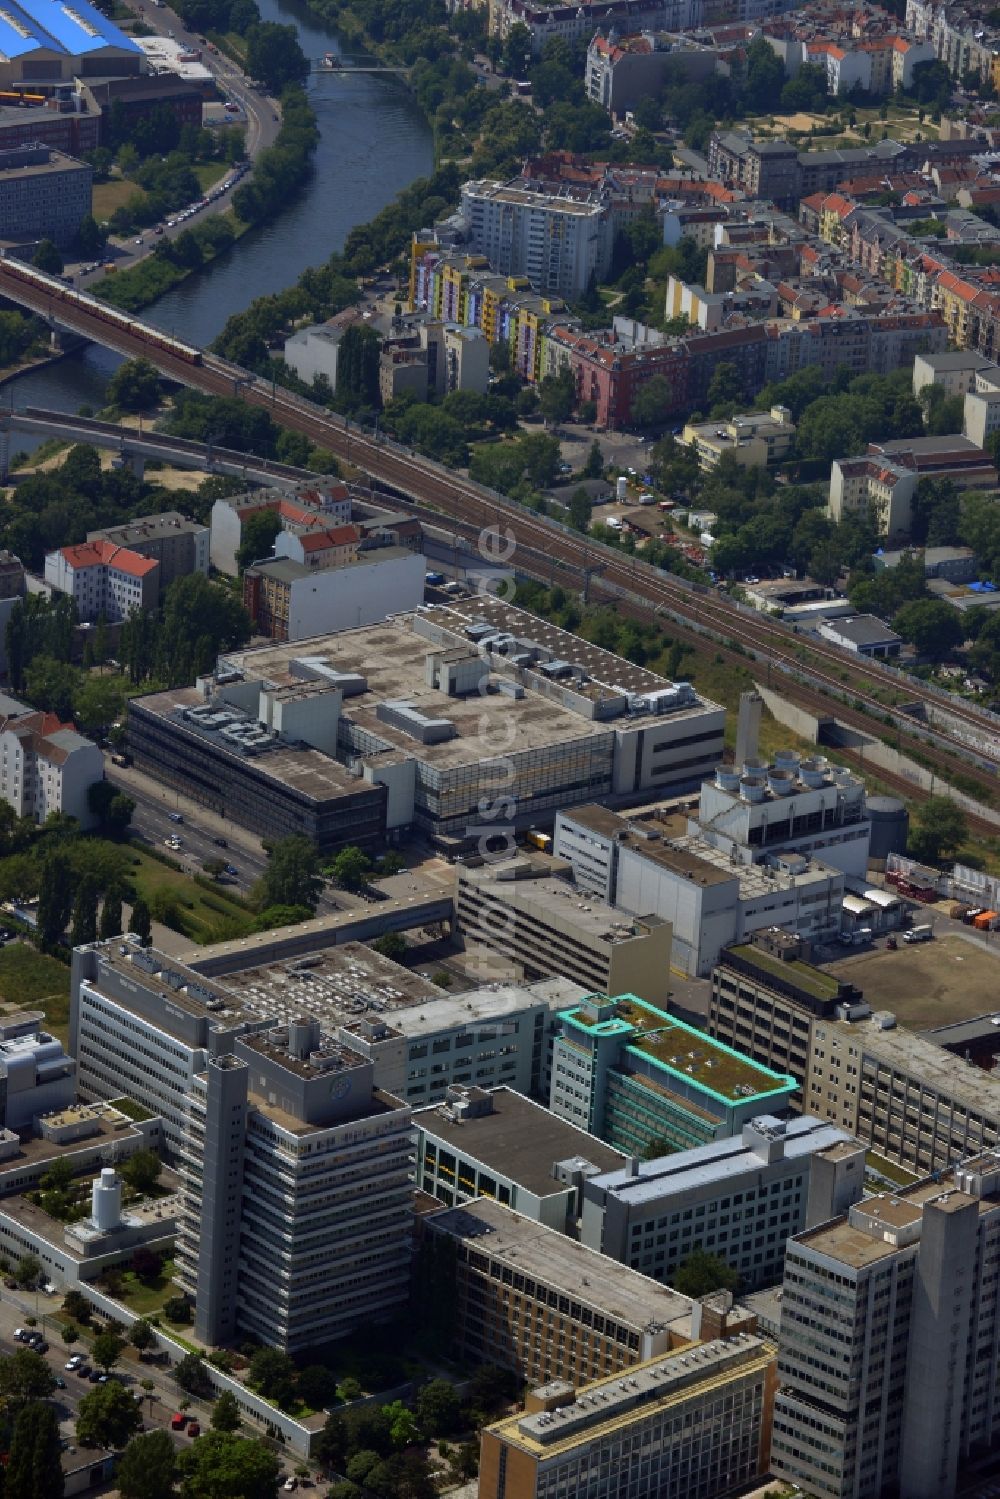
<point>809,672</point>
<point>258,113</point>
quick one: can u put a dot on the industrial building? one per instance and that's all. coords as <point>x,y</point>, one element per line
<point>528,1298</point>
<point>409,718</point>
<point>43,45</point>
<point>544,924</point>
<point>738,1199</point>
<point>710,899</point>
<point>640,1078</point>
<point>297,1211</point>
<point>36,1075</point>
<point>500,1145</point>
<point>696,1421</point>
<point>889,1328</point>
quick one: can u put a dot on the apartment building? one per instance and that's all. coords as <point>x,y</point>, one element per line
<point>292,600</point>
<point>499,1145</point>
<point>528,1298</point>
<point>176,544</point>
<point>765,999</point>
<point>296,1218</point>
<point>889,1329</point>
<point>739,1199</point>
<point>709,898</point>
<point>635,1076</point>
<point>903,1095</point>
<point>543,924</point>
<point>621,70</point>
<point>310,507</point>
<point>43,194</point>
<point>690,1425</point>
<point>876,488</point>
<point>560,240</point>
<point>45,766</point>
<point>104,579</point>
<point>956,373</point>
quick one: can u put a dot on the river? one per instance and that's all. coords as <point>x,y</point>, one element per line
<point>373,142</point>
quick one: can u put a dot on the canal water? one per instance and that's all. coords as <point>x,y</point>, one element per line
<point>373,142</point>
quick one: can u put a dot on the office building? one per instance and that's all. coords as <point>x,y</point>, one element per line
<point>73,128</point>
<point>906,1097</point>
<point>559,240</point>
<point>710,899</point>
<point>411,712</point>
<point>43,194</point>
<point>795,805</point>
<point>542,924</point>
<point>889,1331</point>
<point>738,1199</point>
<point>177,545</point>
<point>530,1299</point>
<point>695,1422</point>
<point>754,439</point>
<point>764,1001</point>
<point>637,1077</point>
<point>295,600</point>
<point>45,766</point>
<point>104,579</point>
<point>42,46</point>
<point>36,1075</point>
<point>500,1145</point>
<point>296,1219</point>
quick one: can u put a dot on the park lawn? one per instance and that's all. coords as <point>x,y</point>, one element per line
<point>33,981</point>
<point>206,916</point>
<point>209,173</point>
<point>111,195</point>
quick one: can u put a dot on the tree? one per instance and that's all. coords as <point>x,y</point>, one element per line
<point>226,1413</point>
<point>192,1376</point>
<point>110,924</point>
<point>439,1409</point>
<point>580,509</point>
<point>557,396</point>
<point>48,259</point>
<point>140,922</point>
<point>107,1350</point>
<point>594,466</point>
<point>653,402</point>
<point>27,1270</point>
<point>141,1335</point>
<point>108,1416</point>
<point>98,702</point>
<point>274,56</point>
<point>34,1468</point>
<point>391,945</point>
<point>257,537</point>
<point>134,386</point>
<point>931,626</point>
<point>178,1309</point>
<point>76,1305</point>
<point>940,830</point>
<point>725,385</point>
<point>358,367</point>
<point>214,867</point>
<point>55,898</point>
<point>702,1273</point>
<point>142,1170</point>
<point>89,240</point>
<point>52,685</point>
<point>270,1372</point>
<point>147,1468</point>
<point>24,1376</point>
<point>84,927</point>
<point>291,877</point>
<point>224,1466</point>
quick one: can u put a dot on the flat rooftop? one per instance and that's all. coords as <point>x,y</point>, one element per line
<point>158,527</point>
<point>551,896</point>
<point>308,771</point>
<point>716,1164</point>
<point>519,1140</point>
<point>560,1262</point>
<point>333,984</point>
<point>173,981</point>
<point>814,981</point>
<point>110,1127</point>
<point>937,1069</point>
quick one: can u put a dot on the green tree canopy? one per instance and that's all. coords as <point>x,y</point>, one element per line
<point>291,876</point>
<point>940,828</point>
<point>134,386</point>
<point>226,1413</point>
<point>274,56</point>
<point>48,259</point>
<point>932,626</point>
<point>24,1376</point>
<point>351,868</point>
<point>142,1170</point>
<point>257,538</point>
<point>147,1468</point>
<point>223,1466</point>
<point>34,1467</point>
<point>702,1273</point>
<point>108,1416</point>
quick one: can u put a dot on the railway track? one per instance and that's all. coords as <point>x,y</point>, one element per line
<point>553,552</point>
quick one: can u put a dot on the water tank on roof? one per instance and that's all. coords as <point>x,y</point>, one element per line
<point>811,773</point>
<point>106,1200</point>
<point>726,778</point>
<point>890,827</point>
<point>781,782</point>
<point>787,759</point>
<point>753,788</point>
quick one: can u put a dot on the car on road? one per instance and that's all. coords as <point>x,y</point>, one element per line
<point>231,869</point>
<point>18,1334</point>
<point>290,1484</point>
<point>178,1421</point>
<point>221,842</point>
<point>175,817</point>
<point>74,1363</point>
<point>194,1429</point>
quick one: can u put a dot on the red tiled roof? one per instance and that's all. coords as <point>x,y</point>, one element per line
<point>336,536</point>
<point>107,554</point>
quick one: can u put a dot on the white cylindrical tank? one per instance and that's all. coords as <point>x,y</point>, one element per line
<point>106,1200</point>
<point>621,487</point>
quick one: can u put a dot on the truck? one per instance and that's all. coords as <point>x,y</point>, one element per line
<point>919,934</point>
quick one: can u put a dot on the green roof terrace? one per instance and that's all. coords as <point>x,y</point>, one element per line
<point>794,971</point>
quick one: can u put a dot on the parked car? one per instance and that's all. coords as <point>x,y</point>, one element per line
<point>175,817</point>
<point>18,1334</point>
<point>74,1363</point>
<point>60,1382</point>
<point>178,1421</point>
<point>194,1428</point>
<point>84,1371</point>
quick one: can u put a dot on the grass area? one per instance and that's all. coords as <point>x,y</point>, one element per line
<point>890,1169</point>
<point>33,981</point>
<point>131,1109</point>
<point>209,173</point>
<point>148,1296</point>
<point>216,915</point>
<point>111,195</point>
<point>813,980</point>
<point>929,983</point>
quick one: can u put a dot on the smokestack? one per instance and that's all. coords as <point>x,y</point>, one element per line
<point>748,727</point>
